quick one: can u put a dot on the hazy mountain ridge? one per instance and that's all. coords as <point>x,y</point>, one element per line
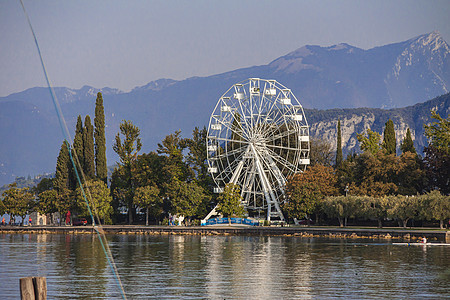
<point>400,74</point>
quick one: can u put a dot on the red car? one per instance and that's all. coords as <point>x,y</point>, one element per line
<point>80,222</point>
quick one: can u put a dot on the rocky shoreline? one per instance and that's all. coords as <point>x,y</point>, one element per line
<point>330,232</point>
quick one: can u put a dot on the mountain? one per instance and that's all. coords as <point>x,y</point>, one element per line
<point>323,123</point>
<point>339,77</point>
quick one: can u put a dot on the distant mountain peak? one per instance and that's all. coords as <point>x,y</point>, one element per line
<point>156,85</point>
<point>433,40</point>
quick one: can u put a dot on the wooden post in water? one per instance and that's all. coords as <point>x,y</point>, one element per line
<point>33,288</point>
<point>40,288</point>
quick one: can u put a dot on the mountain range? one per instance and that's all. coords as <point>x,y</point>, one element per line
<point>330,82</point>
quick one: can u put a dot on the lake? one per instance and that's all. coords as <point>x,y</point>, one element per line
<point>224,267</point>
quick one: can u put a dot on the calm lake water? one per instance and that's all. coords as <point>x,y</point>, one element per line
<point>224,267</point>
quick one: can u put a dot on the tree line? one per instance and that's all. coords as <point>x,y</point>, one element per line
<point>375,183</point>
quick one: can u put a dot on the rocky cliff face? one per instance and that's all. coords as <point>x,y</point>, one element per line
<point>323,124</point>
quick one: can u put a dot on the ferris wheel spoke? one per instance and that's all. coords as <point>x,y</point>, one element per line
<point>228,140</point>
<point>229,167</point>
<point>282,135</point>
<point>283,161</point>
<point>282,147</point>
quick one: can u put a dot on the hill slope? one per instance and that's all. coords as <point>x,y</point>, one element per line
<point>333,78</point>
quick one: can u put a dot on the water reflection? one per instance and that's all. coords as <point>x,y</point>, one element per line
<point>223,267</point>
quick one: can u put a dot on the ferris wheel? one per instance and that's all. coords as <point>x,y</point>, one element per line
<point>257,137</point>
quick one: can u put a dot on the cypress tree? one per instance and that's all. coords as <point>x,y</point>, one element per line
<point>63,165</point>
<point>77,154</point>
<point>339,157</point>
<point>408,144</point>
<point>100,140</point>
<point>88,149</point>
<point>389,142</point>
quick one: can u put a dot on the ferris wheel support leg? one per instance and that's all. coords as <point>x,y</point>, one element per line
<point>238,170</point>
<point>268,193</point>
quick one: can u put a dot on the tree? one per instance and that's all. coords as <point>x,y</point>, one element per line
<point>18,201</point>
<point>368,174</point>
<point>306,190</point>
<point>342,208</point>
<point>44,185</point>
<point>77,153</point>
<point>88,149</point>
<point>389,141</point>
<point>197,156</point>
<point>229,202</point>
<point>2,208</point>
<point>436,206</point>
<point>131,145</point>
<point>66,202</point>
<point>47,202</point>
<point>371,143</point>
<point>377,207</point>
<point>408,144</point>
<point>437,168</point>
<point>320,152</point>
<point>127,151</point>
<point>437,154</point>
<point>185,198</point>
<point>438,132</point>
<point>172,147</point>
<point>63,166</point>
<point>403,208</point>
<point>339,156</point>
<point>100,139</point>
<point>148,197</point>
<point>99,200</point>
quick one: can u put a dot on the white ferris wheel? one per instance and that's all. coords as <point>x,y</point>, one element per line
<point>257,137</point>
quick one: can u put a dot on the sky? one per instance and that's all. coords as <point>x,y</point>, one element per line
<point>127,43</point>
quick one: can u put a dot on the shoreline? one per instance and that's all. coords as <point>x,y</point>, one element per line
<point>431,234</point>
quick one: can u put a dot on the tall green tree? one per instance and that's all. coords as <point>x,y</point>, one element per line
<point>408,144</point>
<point>369,143</point>
<point>230,202</point>
<point>389,141</point>
<point>197,156</point>
<point>339,156</point>
<point>437,153</point>
<point>77,153</point>
<point>99,200</point>
<point>438,132</point>
<point>127,151</point>
<point>100,139</point>
<point>63,166</point>
<point>172,147</point>
<point>148,197</point>
<point>88,149</point>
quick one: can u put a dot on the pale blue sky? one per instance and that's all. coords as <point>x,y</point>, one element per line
<point>124,44</point>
